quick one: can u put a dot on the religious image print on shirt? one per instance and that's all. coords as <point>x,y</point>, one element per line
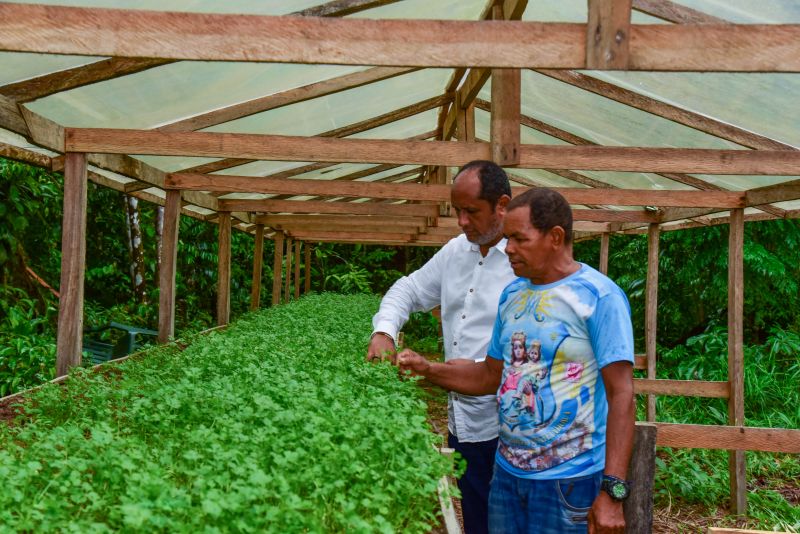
<point>546,407</point>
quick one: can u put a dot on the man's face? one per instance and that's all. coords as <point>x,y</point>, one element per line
<point>529,250</point>
<point>477,219</point>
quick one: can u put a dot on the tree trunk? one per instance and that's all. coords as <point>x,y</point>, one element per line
<point>136,248</point>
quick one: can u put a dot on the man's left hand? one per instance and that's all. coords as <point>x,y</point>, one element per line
<point>606,516</point>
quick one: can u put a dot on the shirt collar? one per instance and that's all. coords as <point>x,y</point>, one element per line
<point>500,245</point>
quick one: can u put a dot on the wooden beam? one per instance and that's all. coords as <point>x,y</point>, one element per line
<point>65,80</point>
<point>297,269</point>
<point>672,12</point>
<point>258,258</point>
<point>291,148</point>
<point>604,244</point>
<point>277,269</point>
<point>287,282</point>
<point>353,236</point>
<point>683,388</point>
<point>26,156</point>
<point>733,438</point>
<point>355,208</point>
<point>736,460</point>
<point>11,118</point>
<point>224,270</point>
<point>307,269</point>
<point>167,267</point>
<point>73,263</point>
<point>671,112</point>
<point>774,193</point>
<point>608,34</point>
<point>285,98</point>
<point>638,508</point>
<point>651,312</point>
<point>493,44</point>
<point>342,8</point>
<point>505,116</point>
<point>278,221</point>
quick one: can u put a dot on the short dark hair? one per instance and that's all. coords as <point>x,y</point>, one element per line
<point>548,208</point>
<point>494,180</point>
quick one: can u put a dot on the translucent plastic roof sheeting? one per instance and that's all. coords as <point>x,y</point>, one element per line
<point>250,7</point>
<point>18,66</point>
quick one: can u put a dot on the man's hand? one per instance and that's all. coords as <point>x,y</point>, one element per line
<point>381,347</point>
<point>417,365</point>
<point>606,516</point>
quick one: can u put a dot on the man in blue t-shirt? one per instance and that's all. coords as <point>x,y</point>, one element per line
<point>560,360</point>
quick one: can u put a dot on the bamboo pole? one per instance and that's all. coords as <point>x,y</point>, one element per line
<point>651,311</point>
<point>73,264</point>
<point>736,459</point>
<point>224,269</point>
<point>277,269</point>
<point>166,271</point>
<point>258,261</point>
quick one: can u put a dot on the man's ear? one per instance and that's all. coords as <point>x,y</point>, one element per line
<point>502,202</point>
<point>557,235</point>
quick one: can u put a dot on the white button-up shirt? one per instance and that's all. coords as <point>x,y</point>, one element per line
<point>467,286</point>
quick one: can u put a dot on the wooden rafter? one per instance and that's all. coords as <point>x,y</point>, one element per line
<point>672,12</point>
<point>496,44</point>
<point>314,206</point>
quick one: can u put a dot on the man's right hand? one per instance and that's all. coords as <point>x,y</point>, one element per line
<point>413,363</point>
<point>381,347</point>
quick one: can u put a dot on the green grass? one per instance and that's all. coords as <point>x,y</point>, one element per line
<point>275,424</point>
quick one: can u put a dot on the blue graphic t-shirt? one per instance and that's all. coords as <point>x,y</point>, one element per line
<point>554,339</point>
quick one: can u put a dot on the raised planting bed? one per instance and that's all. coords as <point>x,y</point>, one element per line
<point>275,424</point>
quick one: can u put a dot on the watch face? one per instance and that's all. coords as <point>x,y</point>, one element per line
<point>618,490</point>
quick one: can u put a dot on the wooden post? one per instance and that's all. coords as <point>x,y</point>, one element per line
<point>297,269</point>
<point>258,260</point>
<point>288,281</point>
<point>651,311</point>
<point>224,269</point>
<point>638,508</point>
<point>73,264</point>
<point>604,242</point>
<point>277,269</point>
<point>166,272</point>
<point>307,270</point>
<point>504,128</point>
<point>608,34</point>
<point>736,459</point>
<point>465,120</point>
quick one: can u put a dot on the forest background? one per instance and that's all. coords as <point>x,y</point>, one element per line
<point>123,237</point>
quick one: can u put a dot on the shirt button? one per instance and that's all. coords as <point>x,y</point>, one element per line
<point>455,342</point>
<point>471,290</point>
<point>463,316</point>
<point>480,263</point>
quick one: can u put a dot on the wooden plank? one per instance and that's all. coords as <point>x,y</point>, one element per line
<point>307,269</point>
<point>682,388</point>
<point>672,12</point>
<point>651,312</point>
<point>733,438</point>
<point>11,118</point>
<point>420,43</point>
<point>406,152</point>
<point>640,361</point>
<point>258,258</point>
<point>277,269</point>
<point>355,208</point>
<point>26,156</point>
<point>736,460</point>
<point>310,226</point>
<point>43,132</point>
<point>64,80</point>
<point>774,193</point>
<point>297,269</point>
<point>638,508</point>
<point>224,270</point>
<point>167,267</point>
<point>73,263</point>
<point>671,112</point>
<point>467,93</point>
<point>342,8</point>
<point>608,34</point>
<point>285,98</point>
<point>504,125</point>
<point>280,221</point>
<point>321,235</point>
<point>604,244</point>
<point>288,259</point>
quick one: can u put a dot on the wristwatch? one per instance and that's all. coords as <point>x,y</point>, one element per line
<point>617,488</point>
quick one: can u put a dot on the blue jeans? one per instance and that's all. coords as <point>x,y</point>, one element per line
<point>518,505</point>
<point>474,483</point>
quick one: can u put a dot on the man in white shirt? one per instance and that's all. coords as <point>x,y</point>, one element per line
<point>465,278</point>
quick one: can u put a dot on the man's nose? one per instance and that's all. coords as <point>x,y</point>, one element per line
<point>462,219</point>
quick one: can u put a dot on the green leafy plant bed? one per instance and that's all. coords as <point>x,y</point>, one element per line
<point>273,425</point>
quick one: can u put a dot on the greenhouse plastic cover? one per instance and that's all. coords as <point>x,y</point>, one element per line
<point>764,103</point>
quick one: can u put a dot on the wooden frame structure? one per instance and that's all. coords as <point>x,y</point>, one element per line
<point>389,203</point>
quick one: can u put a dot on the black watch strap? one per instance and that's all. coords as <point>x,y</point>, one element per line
<point>616,488</point>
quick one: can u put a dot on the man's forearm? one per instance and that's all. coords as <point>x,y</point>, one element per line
<point>474,379</point>
<point>619,433</point>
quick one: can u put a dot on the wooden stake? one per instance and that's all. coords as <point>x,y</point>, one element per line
<point>73,263</point>
<point>307,269</point>
<point>277,269</point>
<point>604,242</point>
<point>288,281</point>
<point>258,260</point>
<point>224,269</point>
<point>651,311</point>
<point>736,459</point>
<point>166,271</point>
<point>297,269</point>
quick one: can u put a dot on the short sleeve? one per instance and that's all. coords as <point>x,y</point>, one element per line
<point>610,329</point>
<point>495,349</point>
